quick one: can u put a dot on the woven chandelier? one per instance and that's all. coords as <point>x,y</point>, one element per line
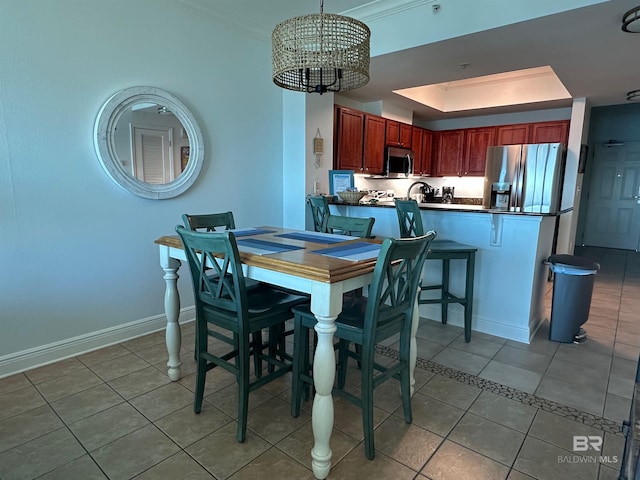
<point>321,53</point>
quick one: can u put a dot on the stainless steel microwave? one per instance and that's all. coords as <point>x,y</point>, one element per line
<point>398,162</point>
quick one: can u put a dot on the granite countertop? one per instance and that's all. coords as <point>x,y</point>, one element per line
<point>450,207</point>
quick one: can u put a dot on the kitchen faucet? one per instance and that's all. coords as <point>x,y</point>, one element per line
<point>425,190</point>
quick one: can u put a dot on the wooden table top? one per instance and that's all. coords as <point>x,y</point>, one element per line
<point>301,263</point>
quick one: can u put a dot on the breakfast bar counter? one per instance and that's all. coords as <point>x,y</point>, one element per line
<point>511,278</point>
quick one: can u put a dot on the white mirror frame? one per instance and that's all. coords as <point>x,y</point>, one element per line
<point>103,136</point>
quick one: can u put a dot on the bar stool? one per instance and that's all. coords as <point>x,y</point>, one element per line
<point>410,222</point>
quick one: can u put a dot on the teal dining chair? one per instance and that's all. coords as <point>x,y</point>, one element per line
<point>319,210</point>
<point>410,223</point>
<point>387,311</point>
<point>345,225</point>
<point>209,222</point>
<point>228,312</point>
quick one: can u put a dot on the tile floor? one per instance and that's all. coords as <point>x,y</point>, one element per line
<point>490,409</point>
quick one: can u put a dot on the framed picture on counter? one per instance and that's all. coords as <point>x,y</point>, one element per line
<point>340,180</point>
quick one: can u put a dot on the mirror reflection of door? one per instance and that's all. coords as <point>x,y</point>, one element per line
<point>613,206</point>
<point>152,155</point>
<point>149,139</point>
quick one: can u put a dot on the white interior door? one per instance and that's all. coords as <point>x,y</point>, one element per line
<point>613,205</point>
<point>152,155</point>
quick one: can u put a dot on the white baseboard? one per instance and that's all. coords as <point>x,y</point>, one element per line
<point>483,325</point>
<point>54,352</point>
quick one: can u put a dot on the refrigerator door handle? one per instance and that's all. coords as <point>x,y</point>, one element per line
<point>518,184</point>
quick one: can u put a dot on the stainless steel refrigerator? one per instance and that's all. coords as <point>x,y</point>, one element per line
<point>524,178</point>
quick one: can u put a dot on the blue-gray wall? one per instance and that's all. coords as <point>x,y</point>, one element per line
<point>76,251</point>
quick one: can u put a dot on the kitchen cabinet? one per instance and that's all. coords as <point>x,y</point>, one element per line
<point>476,142</point>
<point>398,134</point>
<point>349,139</point>
<point>373,153</point>
<point>539,132</point>
<point>550,132</point>
<point>360,139</point>
<point>449,151</point>
<point>512,134</point>
<point>421,144</point>
<point>462,151</point>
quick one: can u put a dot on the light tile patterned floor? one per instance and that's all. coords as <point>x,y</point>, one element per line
<point>490,409</point>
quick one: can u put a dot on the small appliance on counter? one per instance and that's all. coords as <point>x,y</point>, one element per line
<point>447,194</point>
<point>427,192</point>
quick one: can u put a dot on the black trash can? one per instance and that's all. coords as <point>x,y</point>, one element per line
<point>572,289</point>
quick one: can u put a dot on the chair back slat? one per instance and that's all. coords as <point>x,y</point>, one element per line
<point>217,251</point>
<point>319,210</point>
<point>209,222</point>
<point>395,280</point>
<point>354,226</point>
<point>409,218</point>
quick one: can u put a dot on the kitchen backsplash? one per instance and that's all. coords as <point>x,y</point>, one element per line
<point>465,187</point>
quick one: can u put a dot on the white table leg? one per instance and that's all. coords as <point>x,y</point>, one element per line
<point>324,371</point>
<point>172,311</point>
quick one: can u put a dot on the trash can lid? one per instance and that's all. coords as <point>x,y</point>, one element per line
<point>573,261</point>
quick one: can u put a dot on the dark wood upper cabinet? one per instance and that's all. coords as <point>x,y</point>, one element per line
<point>416,147</point>
<point>512,134</point>
<point>550,132</point>
<point>477,140</point>
<point>538,132</point>
<point>374,132</point>
<point>398,134</point>
<point>449,151</point>
<point>360,138</point>
<point>349,139</point>
<point>421,144</point>
<point>426,167</point>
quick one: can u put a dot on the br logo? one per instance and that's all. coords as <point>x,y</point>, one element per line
<point>582,443</point>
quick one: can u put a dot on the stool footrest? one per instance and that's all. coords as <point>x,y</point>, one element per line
<point>449,299</point>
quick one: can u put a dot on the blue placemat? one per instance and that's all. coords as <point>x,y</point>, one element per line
<point>262,247</point>
<point>245,232</point>
<point>310,237</point>
<point>353,251</point>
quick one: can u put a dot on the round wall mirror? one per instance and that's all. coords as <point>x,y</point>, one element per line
<point>149,142</point>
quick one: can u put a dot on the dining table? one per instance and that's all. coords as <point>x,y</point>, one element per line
<point>322,265</point>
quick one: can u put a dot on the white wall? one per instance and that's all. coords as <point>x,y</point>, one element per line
<point>76,251</point>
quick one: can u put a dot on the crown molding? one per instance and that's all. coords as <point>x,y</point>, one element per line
<point>227,15</point>
<point>224,15</point>
<point>383,8</point>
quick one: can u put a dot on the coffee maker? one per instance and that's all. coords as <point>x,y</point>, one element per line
<point>447,194</point>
